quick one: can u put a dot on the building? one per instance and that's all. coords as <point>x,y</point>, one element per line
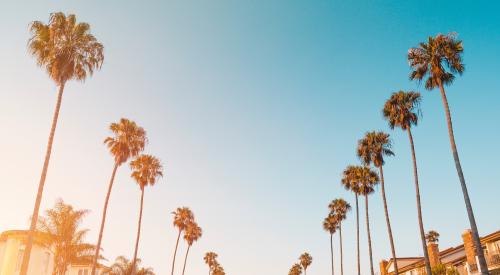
<point>12,245</point>
<point>463,258</point>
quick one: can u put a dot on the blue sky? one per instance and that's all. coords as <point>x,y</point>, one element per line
<point>255,108</point>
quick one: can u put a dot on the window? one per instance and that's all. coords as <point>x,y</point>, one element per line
<point>80,272</point>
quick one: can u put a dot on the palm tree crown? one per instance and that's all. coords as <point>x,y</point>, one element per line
<point>128,141</point>
<point>428,60</point>
<point>65,48</point>
<point>402,109</point>
<point>146,170</point>
<point>339,208</point>
<point>192,233</point>
<point>305,260</point>
<point>330,224</point>
<point>61,225</point>
<point>122,266</point>
<point>350,179</point>
<point>367,179</point>
<point>295,270</point>
<point>182,217</point>
<point>432,236</point>
<point>373,147</point>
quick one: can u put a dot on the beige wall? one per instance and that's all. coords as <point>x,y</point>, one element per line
<point>41,260</point>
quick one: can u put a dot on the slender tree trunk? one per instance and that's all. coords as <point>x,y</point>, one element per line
<point>331,251</point>
<point>185,259</point>
<point>103,220</point>
<point>357,234</point>
<point>134,268</point>
<point>475,234</point>
<point>369,235</point>
<point>419,207</point>
<point>388,222</point>
<point>41,184</point>
<point>341,252</point>
<point>175,251</point>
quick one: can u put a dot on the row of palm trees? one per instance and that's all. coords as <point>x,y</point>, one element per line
<point>305,260</point>
<point>436,62</point>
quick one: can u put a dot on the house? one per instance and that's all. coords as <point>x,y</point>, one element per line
<point>12,245</point>
<point>462,257</point>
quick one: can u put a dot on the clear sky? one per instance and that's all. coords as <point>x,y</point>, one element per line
<point>255,108</point>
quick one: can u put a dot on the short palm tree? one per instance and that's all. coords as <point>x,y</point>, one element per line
<point>350,182</point>
<point>122,266</point>
<point>432,236</point>
<point>295,270</point>
<point>182,217</point>
<point>439,60</point>
<point>339,208</point>
<point>402,110</point>
<point>67,51</point>
<point>367,181</point>
<point>192,233</point>
<point>146,170</point>
<point>371,150</point>
<point>61,225</point>
<point>305,261</point>
<point>128,141</point>
<point>210,259</point>
<point>330,225</point>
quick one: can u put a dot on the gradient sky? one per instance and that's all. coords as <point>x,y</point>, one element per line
<point>255,108</point>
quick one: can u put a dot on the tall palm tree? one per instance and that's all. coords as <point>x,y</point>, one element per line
<point>146,170</point>
<point>367,180</point>
<point>67,51</point>
<point>61,225</point>
<point>330,225</point>
<point>295,270</point>
<point>350,182</point>
<point>210,259</point>
<point>305,261</point>
<point>128,141</point>
<point>402,110</point>
<point>339,208</point>
<point>182,217</point>
<point>218,270</point>
<point>122,266</point>
<point>439,60</point>
<point>192,234</point>
<point>371,150</point>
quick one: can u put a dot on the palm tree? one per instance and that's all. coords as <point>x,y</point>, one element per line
<point>339,208</point>
<point>305,261</point>
<point>182,217</point>
<point>61,225</point>
<point>122,266</point>
<point>402,110</point>
<point>330,225</point>
<point>432,236</point>
<point>295,270</point>
<point>128,141</point>
<point>218,270</point>
<point>351,183</point>
<point>367,180</point>
<point>210,259</point>
<point>192,234</point>
<point>371,150</point>
<point>67,51</point>
<point>146,171</point>
<point>430,61</point>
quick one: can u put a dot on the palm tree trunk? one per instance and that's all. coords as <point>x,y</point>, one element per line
<point>369,235</point>
<point>468,204</point>
<point>341,252</point>
<point>357,234</point>
<point>185,259</point>
<point>134,268</point>
<point>103,221</point>
<point>388,222</point>
<point>419,207</point>
<point>41,184</point>
<point>331,251</point>
<point>175,251</point>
